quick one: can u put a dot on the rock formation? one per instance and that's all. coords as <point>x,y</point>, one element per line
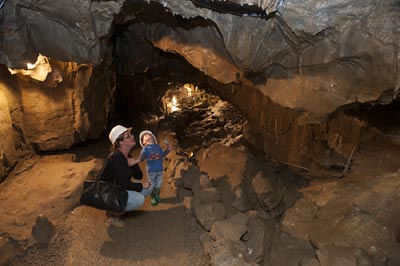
<point>297,70</point>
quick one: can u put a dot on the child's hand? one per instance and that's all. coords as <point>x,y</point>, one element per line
<point>168,145</point>
<point>146,184</point>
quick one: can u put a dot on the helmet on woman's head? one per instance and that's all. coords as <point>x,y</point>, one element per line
<point>116,132</point>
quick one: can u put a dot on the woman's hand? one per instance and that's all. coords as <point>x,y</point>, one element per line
<point>146,184</point>
<point>132,161</point>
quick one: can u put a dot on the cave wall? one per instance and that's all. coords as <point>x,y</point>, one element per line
<point>10,111</point>
<point>65,100</point>
<point>312,55</point>
<point>289,51</point>
<point>293,72</point>
<point>76,31</point>
<point>59,115</point>
<point>287,72</point>
<point>289,77</point>
<point>70,106</point>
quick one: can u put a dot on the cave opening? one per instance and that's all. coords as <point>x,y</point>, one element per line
<point>384,117</point>
<point>153,84</point>
<point>144,71</point>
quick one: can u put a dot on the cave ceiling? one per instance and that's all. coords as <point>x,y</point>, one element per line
<point>305,55</point>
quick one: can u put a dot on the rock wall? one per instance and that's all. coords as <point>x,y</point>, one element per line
<point>70,106</point>
<point>333,52</point>
<point>349,221</point>
<point>75,31</point>
<point>287,72</point>
<point>313,55</point>
<point>8,154</point>
<point>57,116</point>
<point>12,141</point>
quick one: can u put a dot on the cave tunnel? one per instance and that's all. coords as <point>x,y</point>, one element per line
<point>139,64</point>
<point>283,117</point>
<point>145,75</point>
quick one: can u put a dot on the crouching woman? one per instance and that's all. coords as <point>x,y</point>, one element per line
<point>126,177</point>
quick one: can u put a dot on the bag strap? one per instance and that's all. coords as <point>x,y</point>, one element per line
<point>103,167</point>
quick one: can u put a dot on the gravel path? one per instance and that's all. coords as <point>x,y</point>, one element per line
<point>162,235</point>
<point>165,235</point>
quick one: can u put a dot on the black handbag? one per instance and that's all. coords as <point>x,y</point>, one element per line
<point>104,195</point>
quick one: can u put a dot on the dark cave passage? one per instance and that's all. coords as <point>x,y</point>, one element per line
<point>138,93</point>
<point>143,91</point>
<point>144,71</point>
<point>384,117</point>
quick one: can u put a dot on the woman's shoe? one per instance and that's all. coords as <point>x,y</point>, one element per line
<point>115,221</point>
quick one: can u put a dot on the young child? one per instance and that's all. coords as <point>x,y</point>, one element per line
<point>154,155</point>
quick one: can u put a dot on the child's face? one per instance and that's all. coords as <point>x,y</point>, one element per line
<point>148,139</point>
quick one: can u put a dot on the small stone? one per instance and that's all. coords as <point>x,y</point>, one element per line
<point>43,231</point>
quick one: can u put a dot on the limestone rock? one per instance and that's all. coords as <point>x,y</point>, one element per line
<point>229,253</point>
<point>259,238</point>
<point>59,111</point>
<point>205,182</point>
<point>43,231</point>
<point>207,214</point>
<point>8,250</point>
<point>349,215</point>
<point>232,228</point>
<point>8,155</point>
<point>309,262</point>
<point>343,256</point>
<point>208,195</point>
<point>311,57</point>
<point>297,220</point>
<point>86,23</point>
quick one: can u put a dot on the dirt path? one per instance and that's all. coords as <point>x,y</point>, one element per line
<point>161,235</point>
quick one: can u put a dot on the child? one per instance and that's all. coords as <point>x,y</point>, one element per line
<point>153,154</point>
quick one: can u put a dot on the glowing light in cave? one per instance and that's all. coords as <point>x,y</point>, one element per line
<point>179,97</point>
<point>30,66</point>
<point>39,70</point>
<point>174,104</point>
<point>189,89</point>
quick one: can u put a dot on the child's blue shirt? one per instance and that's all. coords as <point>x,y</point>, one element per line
<point>154,155</point>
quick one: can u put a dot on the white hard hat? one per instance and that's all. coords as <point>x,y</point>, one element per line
<point>146,132</point>
<point>116,132</point>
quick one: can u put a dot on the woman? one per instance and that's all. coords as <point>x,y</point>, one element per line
<point>117,168</point>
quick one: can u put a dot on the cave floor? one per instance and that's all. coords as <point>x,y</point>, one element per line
<point>166,234</point>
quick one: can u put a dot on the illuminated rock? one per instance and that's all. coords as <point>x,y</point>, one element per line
<point>39,70</point>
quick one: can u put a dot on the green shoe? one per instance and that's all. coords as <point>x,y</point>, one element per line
<point>157,198</point>
<point>153,202</point>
